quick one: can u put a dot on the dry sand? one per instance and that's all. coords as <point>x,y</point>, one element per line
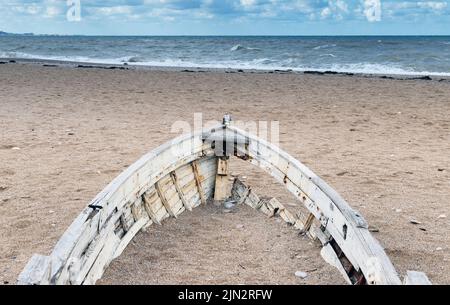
<point>382,144</point>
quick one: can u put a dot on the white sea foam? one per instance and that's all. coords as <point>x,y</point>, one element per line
<point>324,46</point>
<point>329,55</point>
<point>256,64</point>
<point>239,47</point>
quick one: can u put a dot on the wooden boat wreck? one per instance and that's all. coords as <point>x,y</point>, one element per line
<point>187,172</point>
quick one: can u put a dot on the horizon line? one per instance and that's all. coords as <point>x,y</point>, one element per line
<point>227,35</point>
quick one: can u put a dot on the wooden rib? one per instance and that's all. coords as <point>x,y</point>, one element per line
<point>198,182</point>
<point>149,211</point>
<point>164,200</point>
<point>136,213</point>
<point>173,175</point>
<point>308,223</point>
<point>130,234</point>
<point>124,223</point>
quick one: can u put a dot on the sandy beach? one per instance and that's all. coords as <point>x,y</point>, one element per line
<point>383,144</point>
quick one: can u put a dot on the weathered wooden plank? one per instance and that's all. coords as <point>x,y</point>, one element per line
<point>416,278</point>
<point>164,200</point>
<point>173,175</point>
<point>221,185</point>
<point>36,272</point>
<point>331,258</point>
<point>198,182</point>
<point>308,222</point>
<point>346,226</point>
<point>103,259</point>
<point>129,236</point>
<point>148,208</point>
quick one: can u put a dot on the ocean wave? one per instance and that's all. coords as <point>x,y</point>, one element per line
<point>132,59</point>
<point>255,64</point>
<point>329,55</point>
<point>239,47</point>
<point>379,69</point>
<point>324,46</point>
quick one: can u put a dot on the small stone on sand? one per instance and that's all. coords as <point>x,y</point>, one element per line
<point>15,148</point>
<point>301,274</point>
<point>415,222</point>
<point>442,216</point>
<point>239,226</point>
<point>373,229</point>
<point>229,204</point>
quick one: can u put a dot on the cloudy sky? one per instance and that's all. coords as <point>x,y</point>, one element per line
<point>226,17</point>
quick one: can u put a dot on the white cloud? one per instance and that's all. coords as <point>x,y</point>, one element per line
<point>52,11</point>
<point>335,8</point>
<point>114,10</point>
<point>248,3</point>
<point>325,12</point>
<point>434,5</point>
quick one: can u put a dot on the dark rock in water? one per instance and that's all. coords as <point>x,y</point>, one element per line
<point>189,71</point>
<point>125,64</point>
<point>314,72</point>
<point>240,71</point>
<point>46,65</point>
<point>423,78</point>
<point>386,77</point>
<point>12,61</point>
<point>2,62</point>
<point>330,72</point>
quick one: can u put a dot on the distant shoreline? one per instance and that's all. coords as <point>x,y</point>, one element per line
<point>89,65</point>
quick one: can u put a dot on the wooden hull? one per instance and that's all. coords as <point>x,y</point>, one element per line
<point>182,174</point>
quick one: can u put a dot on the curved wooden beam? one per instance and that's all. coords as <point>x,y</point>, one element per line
<point>131,201</point>
<point>180,175</point>
<point>348,230</point>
